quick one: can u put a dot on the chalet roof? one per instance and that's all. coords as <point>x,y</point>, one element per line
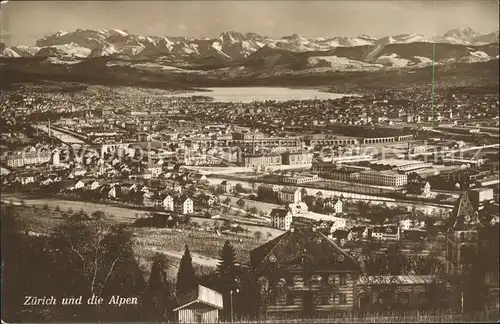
<point>301,247</point>
<point>279,212</point>
<point>399,280</point>
<point>464,215</point>
<point>203,295</point>
<point>182,198</point>
<point>289,189</point>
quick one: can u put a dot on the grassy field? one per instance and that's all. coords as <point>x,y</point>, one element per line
<point>204,243</point>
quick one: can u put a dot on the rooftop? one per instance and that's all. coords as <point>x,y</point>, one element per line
<point>399,280</point>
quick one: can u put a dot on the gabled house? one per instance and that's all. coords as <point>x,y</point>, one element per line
<point>82,184</point>
<point>207,200</point>
<point>338,224</point>
<point>148,199</point>
<point>94,185</point>
<point>289,195</point>
<point>115,192</point>
<point>281,218</point>
<point>25,179</point>
<point>226,187</point>
<point>386,233</point>
<point>183,205</point>
<point>78,172</point>
<point>334,205</point>
<point>47,182</point>
<point>166,201</point>
<point>314,276</point>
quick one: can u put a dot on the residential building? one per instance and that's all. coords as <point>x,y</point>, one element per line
<point>183,205</point>
<point>115,191</point>
<point>155,171</point>
<point>202,305</point>
<point>334,205</point>
<point>315,276</point>
<point>78,172</point>
<point>226,187</point>
<point>289,195</point>
<point>298,208</point>
<point>386,233</point>
<point>22,158</point>
<point>94,185</point>
<point>338,224</point>
<point>281,218</point>
<point>82,184</point>
<point>208,200</point>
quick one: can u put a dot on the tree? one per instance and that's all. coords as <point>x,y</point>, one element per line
<point>95,257</point>
<point>253,210</point>
<point>226,269</point>
<point>238,188</point>
<point>257,235</point>
<point>98,214</point>
<point>227,201</point>
<point>158,295</point>
<point>186,277</point>
<point>240,203</point>
<point>303,192</point>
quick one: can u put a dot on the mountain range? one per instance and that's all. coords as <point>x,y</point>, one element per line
<point>228,46</point>
<point>116,54</point>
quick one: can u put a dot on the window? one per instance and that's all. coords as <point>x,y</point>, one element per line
<point>342,280</point>
<point>342,299</point>
<point>198,317</point>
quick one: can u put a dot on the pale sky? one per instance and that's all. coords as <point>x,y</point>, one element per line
<point>23,22</point>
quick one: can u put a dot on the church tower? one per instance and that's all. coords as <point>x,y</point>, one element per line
<point>462,237</point>
<point>462,241</point>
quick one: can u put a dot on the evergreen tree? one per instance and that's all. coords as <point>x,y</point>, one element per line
<point>186,277</point>
<point>227,273</point>
<point>157,302</point>
<point>226,269</point>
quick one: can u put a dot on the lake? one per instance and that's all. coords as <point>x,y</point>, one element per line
<point>249,94</point>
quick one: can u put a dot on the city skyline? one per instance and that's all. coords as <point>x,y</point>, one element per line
<point>274,19</point>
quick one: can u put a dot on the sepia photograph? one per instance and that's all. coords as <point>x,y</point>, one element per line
<point>250,161</point>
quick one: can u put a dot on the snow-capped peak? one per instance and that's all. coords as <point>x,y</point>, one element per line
<point>367,37</point>
<point>119,31</point>
<point>462,33</point>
